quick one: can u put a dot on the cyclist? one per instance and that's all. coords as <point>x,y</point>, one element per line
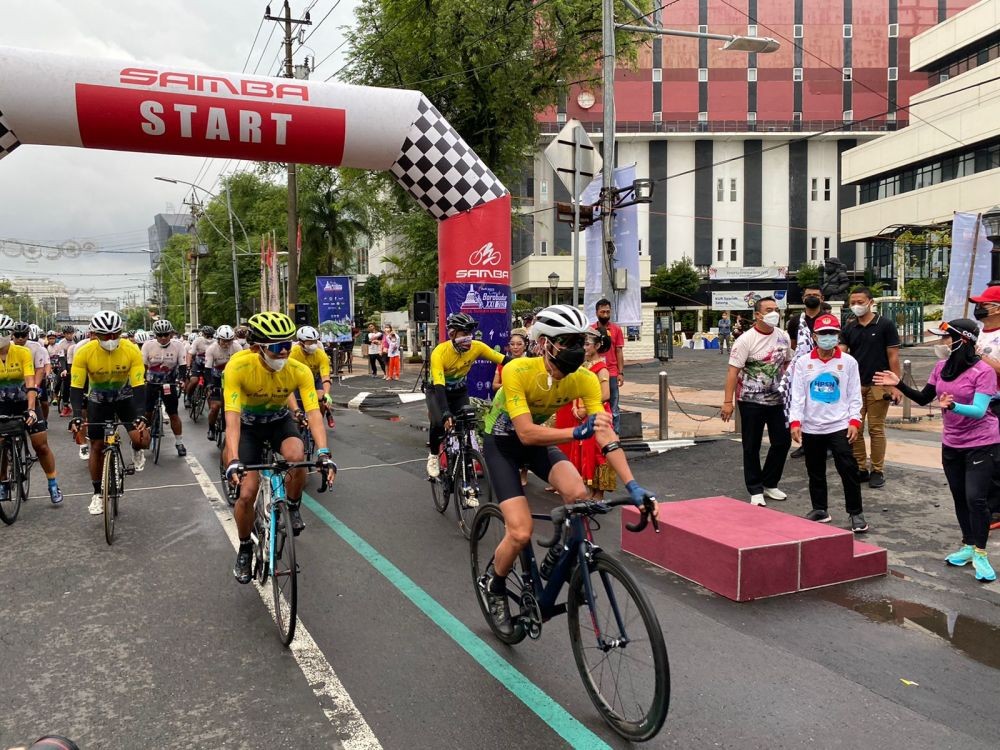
<point>61,366</point>
<point>196,358</point>
<point>450,364</point>
<point>163,357</point>
<point>309,352</point>
<point>116,389</point>
<point>256,393</point>
<point>533,389</point>
<point>26,335</point>
<point>19,394</point>
<point>217,356</point>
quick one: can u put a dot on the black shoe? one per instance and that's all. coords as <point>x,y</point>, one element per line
<point>858,523</point>
<point>819,516</point>
<point>181,450</point>
<point>798,452</point>
<point>243,569</point>
<point>297,523</point>
<point>499,608</point>
<point>864,475</point>
<point>876,480</point>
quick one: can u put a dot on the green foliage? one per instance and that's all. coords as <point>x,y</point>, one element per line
<point>928,291</point>
<point>22,307</point>
<point>678,280</point>
<point>934,314</point>
<point>808,275</point>
<point>521,307</point>
<point>877,289</point>
<point>136,318</point>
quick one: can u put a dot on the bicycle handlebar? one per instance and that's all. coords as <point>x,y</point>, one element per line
<point>282,465</point>
<point>591,508</point>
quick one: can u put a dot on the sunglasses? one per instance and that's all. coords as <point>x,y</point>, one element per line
<point>6,333</point>
<point>569,340</point>
<point>281,346</point>
<point>945,329</point>
<point>107,336</point>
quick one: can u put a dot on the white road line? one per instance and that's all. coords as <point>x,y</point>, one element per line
<point>333,698</point>
<point>356,402</point>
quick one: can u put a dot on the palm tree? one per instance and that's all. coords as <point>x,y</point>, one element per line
<point>334,222</point>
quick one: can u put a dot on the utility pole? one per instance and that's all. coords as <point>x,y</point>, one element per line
<point>608,148</point>
<point>293,208</point>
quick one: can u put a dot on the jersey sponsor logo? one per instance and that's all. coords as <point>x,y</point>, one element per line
<point>213,84</point>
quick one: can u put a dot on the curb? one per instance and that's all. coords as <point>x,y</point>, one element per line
<point>656,446</point>
<point>368,398</point>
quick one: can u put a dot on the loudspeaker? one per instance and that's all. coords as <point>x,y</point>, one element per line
<point>301,314</point>
<point>423,307</point>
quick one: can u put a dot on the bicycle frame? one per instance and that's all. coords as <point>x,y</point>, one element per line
<point>277,483</point>
<point>580,546</point>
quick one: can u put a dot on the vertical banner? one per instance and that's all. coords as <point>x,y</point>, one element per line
<point>490,305</point>
<point>627,302</point>
<point>334,307</point>
<point>969,272</point>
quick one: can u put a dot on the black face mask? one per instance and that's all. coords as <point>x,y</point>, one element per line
<point>812,301</point>
<point>981,312</point>
<point>568,359</point>
<point>604,319</point>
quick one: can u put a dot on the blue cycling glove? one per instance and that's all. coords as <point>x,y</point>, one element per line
<point>637,493</point>
<point>585,430</point>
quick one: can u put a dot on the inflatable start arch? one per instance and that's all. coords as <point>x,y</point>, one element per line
<point>59,100</point>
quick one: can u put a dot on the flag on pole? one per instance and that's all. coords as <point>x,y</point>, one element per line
<point>274,301</point>
<point>298,243</point>
<point>263,273</point>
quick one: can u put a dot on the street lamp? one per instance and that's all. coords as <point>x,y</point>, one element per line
<point>553,285</point>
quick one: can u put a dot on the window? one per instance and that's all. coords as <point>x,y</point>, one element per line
<point>797,31</point>
<point>560,117</point>
<point>893,74</point>
<point>720,190</point>
<point>702,75</point>
<point>751,74</point>
<point>826,247</point>
<point>657,117</point>
<point>943,77</point>
<point>703,117</point>
<point>752,29</point>
<point>657,75</point>
<point>796,74</point>
<point>893,30</point>
<point>848,31</point>
<point>543,247</point>
<point>890,117</point>
<point>720,254</point>
<point>796,117</point>
<point>751,117</point>
<point>848,74</point>
<point>814,189</point>
<point>703,29</point>
<point>812,248</point>
<point>732,249</point>
<point>848,115</point>
<point>826,189</point>
<point>543,191</point>
<point>732,190</point>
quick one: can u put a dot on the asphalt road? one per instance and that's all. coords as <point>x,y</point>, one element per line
<point>151,643</point>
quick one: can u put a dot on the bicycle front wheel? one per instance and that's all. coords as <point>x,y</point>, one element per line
<point>23,468</point>
<point>10,485</point>
<point>284,578</point>
<point>619,649</point>
<point>110,484</point>
<point>156,433</point>
<point>198,404</point>
<point>439,487</point>
<point>471,490</point>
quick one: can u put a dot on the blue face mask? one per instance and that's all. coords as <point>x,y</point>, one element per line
<point>827,341</point>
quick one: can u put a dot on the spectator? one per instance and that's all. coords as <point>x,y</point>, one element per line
<point>988,312</point>
<point>737,327</point>
<point>800,327</point>
<point>963,385</point>
<point>825,414</point>
<point>393,354</point>
<point>756,365</point>
<point>725,332</point>
<point>614,357</point>
<point>874,342</point>
<point>517,346</point>
<point>375,350</point>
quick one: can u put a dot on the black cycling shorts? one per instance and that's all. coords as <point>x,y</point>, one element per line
<point>20,408</point>
<point>214,382</point>
<point>506,454</point>
<point>105,411</point>
<point>255,438</point>
<point>170,401</point>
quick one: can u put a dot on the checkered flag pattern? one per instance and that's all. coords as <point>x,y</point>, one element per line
<point>8,141</point>
<point>439,170</point>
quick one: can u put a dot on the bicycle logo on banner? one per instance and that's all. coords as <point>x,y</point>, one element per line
<point>485,256</point>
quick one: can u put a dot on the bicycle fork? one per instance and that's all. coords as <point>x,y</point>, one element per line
<point>604,643</point>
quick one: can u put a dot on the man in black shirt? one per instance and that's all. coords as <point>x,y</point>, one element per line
<point>874,342</point>
<point>803,324</point>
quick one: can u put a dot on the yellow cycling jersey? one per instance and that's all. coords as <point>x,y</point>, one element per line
<point>449,367</point>
<point>318,362</point>
<point>525,389</point>
<point>259,394</point>
<point>111,375</point>
<point>15,366</point>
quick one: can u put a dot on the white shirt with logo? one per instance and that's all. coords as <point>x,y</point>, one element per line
<point>162,361</point>
<point>826,395</point>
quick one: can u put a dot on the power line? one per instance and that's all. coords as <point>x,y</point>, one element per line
<point>253,44</point>
<point>318,24</point>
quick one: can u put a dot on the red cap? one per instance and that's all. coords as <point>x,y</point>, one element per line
<point>826,323</point>
<point>992,294</point>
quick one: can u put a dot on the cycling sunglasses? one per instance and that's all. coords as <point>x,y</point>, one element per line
<point>108,336</point>
<point>569,340</point>
<point>281,346</point>
<point>945,329</point>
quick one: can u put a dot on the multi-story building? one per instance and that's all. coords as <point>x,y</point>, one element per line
<point>948,157</point>
<point>164,226</point>
<point>745,149</point>
<point>51,296</point>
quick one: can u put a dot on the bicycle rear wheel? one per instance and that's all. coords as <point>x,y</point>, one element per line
<point>231,492</point>
<point>198,403</point>
<point>468,485</point>
<point>24,463</point>
<point>262,530</point>
<point>10,497</point>
<point>284,577</point>
<point>439,488</point>
<point>110,484</point>
<point>487,530</point>
<point>156,433</point>
<point>619,650</point>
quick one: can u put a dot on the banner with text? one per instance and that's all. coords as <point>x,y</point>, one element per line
<point>747,273</point>
<point>490,305</point>
<point>744,300</point>
<point>969,272</point>
<point>334,307</point>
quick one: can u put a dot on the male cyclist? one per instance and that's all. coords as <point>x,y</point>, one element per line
<point>217,356</point>
<point>61,365</point>
<point>164,357</point>
<point>257,386</point>
<point>309,352</point>
<point>533,389</point>
<point>451,361</point>
<point>19,393</point>
<point>27,336</point>
<point>117,390</point>
<point>196,358</point>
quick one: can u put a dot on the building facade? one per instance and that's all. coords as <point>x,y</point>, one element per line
<point>51,296</point>
<point>164,226</point>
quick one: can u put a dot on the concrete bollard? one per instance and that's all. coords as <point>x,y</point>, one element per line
<point>907,378</point>
<point>664,406</point>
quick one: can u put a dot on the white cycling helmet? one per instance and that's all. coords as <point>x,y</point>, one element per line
<point>557,320</point>
<point>192,336</point>
<point>307,333</point>
<point>162,327</point>
<point>106,321</point>
<point>225,333</point>
<point>34,331</point>
<point>6,323</point>
<point>141,337</point>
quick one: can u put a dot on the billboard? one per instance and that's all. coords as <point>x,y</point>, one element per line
<point>745,299</point>
<point>334,307</point>
<point>490,305</point>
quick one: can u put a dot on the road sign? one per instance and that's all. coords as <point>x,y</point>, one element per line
<point>572,152</point>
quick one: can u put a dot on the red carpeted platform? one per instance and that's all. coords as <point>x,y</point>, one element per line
<point>745,552</point>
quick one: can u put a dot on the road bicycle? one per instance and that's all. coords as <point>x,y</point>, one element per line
<point>196,404</point>
<point>463,471</point>
<point>615,635</point>
<point>156,426</point>
<point>273,542</point>
<point>113,473</point>
<point>16,460</point>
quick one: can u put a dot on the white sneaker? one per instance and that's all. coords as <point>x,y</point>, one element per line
<point>433,466</point>
<point>139,458</point>
<point>84,452</point>
<point>757,500</point>
<point>96,506</point>
<point>773,493</point>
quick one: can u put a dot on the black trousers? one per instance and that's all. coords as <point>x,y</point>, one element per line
<point>815,447</point>
<point>456,400</point>
<point>969,472</point>
<point>372,360</point>
<point>754,418</point>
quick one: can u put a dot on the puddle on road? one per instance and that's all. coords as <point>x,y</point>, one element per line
<point>382,414</point>
<point>974,638</point>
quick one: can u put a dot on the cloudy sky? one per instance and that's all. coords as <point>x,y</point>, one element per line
<point>50,195</point>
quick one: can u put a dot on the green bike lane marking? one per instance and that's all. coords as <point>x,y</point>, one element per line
<point>547,709</point>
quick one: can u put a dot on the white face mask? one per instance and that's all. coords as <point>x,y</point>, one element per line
<point>941,351</point>
<point>859,310</point>
<point>275,363</point>
<point>110,346</point>
<point>772,318</point>
<point>4,342</point>
<point>310,348</point>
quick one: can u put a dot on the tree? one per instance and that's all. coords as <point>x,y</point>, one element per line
<point>675,283</point>
<point>807,276</point>
<point>21,307</point>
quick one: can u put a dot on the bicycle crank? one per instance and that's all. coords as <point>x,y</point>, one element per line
<point>531,615</point>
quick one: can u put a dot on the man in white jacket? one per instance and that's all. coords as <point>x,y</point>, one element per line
<point>825,413</point>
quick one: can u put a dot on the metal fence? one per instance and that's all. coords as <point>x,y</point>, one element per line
<point>908,317</point>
